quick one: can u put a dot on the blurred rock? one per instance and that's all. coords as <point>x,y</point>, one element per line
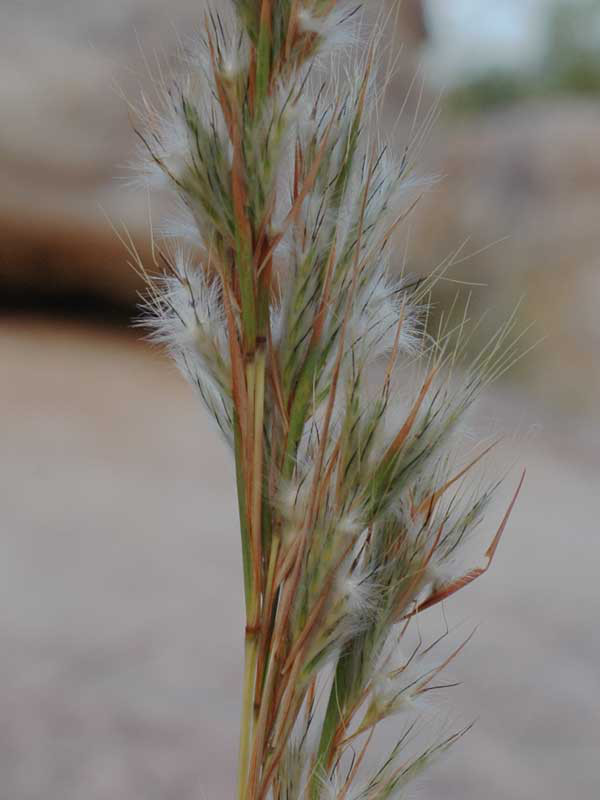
<point>529,176</point>
<point>66,142</point>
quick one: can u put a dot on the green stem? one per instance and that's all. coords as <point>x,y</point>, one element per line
<point>255,376</point>
<point>244,532</point>
<point>263,55</point>
<point>250,660</point>
<point>250,643</point>
<point>259,369</point>
<point>335,707</point>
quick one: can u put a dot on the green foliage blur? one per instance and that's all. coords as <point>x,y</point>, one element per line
<point>570,64</point>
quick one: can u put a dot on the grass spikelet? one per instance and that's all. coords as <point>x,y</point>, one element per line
<point>353,512</point>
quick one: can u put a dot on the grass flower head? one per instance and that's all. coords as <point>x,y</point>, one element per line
<point>352,513</point>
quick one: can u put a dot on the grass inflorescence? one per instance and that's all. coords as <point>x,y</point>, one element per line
<point>352,512</point>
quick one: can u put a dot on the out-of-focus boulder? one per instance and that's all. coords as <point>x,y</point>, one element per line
<point>529,176</point>
<point>66,141</point>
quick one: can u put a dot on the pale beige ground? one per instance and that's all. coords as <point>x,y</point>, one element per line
<point>120,602</point>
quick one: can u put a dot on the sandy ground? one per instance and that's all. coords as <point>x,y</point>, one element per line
<point>120,604</point>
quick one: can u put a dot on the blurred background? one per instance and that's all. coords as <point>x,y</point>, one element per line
<point>120,601</point>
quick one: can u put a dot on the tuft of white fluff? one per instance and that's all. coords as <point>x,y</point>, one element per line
<point>390,699</point>
<point>399,684</point>
<point>334,29</point>
<point>184,312</point>
<point>349,525</point>
<point>382,317</point>
<point>330,786</point>
<point>357,592</point>
<point>165,152</point>
<point>310,23</point>
<point>181,226</point>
